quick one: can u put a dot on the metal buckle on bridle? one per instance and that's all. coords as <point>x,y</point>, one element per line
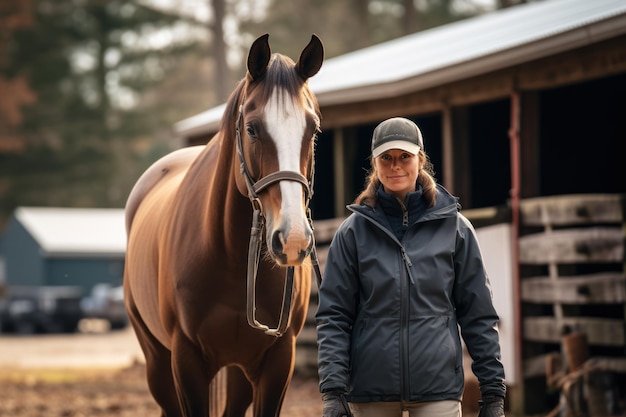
<point>256,237</point>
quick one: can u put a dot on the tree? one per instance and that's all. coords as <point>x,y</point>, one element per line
<point>348,25</point>
<point>216,27</point>
<point>79,68</point>
<point>90,89</point>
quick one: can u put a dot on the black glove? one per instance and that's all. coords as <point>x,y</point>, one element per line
<point>335,405</point>
<point>491,406</point>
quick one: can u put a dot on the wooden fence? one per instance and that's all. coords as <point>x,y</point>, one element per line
<point>571,263</point>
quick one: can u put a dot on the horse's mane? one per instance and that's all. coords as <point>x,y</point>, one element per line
<point>280,72</point>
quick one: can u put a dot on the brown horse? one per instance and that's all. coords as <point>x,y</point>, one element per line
<point>189,220</point>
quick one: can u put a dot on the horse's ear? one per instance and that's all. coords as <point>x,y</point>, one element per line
<point>259,56</point>
<point>311,58</point>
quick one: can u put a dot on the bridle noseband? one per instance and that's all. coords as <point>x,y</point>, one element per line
<point>256,235</point>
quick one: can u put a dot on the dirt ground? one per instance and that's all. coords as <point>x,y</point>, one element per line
<point>96,373</point>
<point>102,393</point>
<point>101,373</point>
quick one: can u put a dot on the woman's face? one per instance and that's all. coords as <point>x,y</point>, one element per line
<point>398,171</point>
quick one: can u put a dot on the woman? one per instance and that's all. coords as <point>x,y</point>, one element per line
<point>403,273</point>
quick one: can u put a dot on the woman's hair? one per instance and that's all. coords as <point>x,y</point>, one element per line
<point>425,179</point>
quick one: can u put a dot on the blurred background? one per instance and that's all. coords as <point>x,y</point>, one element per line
<point>521,102</point>
<point>90,89</point>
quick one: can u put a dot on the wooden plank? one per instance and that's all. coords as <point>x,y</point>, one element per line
<point>605,332</point>
<point>324,230</point>
<point>536,365</point>
<point>584,289</point>
<point>607,364</point>
<point>572,209</point>
<point>598,244</point>
<point>600,59</point>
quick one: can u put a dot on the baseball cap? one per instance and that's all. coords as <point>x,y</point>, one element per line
<point>396,133</point>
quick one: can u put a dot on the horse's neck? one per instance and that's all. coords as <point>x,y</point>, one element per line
<point>224,210</point>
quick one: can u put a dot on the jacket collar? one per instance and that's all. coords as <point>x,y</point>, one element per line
<point>446,206</point>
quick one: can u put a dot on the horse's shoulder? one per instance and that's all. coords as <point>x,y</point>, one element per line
<point>168,166</point>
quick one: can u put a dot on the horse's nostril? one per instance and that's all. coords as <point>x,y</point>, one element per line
<point>277,242</point>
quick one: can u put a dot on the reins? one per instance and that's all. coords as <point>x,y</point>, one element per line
<point>256,237</point>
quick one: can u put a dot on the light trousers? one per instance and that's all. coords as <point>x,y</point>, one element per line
<point>414,409</point>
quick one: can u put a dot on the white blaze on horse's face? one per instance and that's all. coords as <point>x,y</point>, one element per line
<point>285,121</point>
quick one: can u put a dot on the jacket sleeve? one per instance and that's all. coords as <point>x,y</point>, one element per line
<point>338,297</point>
<point>476,315</point>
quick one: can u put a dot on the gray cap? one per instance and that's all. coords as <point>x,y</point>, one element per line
<point>397,133</point>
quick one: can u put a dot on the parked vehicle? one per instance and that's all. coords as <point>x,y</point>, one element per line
<point>106,302</point>
<point>38,309</point>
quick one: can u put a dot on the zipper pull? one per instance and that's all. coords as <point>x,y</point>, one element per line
<point>405,215</point>
<point>409,264</point>
<point>407,261</point>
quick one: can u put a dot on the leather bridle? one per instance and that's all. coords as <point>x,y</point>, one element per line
<point>256,236</point>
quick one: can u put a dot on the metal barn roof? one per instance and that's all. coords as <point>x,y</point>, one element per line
<point>75,231</point>
<point>453,52</point>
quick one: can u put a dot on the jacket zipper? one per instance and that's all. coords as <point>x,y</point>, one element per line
<point>404,326</point>
<point>405,387</point>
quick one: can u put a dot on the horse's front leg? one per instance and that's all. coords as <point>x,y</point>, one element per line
<point>273,377</point>
<point>239,393</point>
<point>192,375</point>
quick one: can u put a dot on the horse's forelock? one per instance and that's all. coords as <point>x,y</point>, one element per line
<point>281,73</point>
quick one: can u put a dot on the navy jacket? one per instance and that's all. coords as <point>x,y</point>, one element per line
<point>390,309</point>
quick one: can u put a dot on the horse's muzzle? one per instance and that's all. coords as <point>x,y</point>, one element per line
<point>292,250</point>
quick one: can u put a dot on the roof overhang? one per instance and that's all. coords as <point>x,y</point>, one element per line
<point>522,53</point>
<point>453,52</point>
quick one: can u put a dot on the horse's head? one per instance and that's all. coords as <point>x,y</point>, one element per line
<point>277,123</point>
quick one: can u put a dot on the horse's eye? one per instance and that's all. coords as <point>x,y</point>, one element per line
<point>251,131</point>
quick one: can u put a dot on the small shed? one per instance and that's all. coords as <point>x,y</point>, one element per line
<point>47,246</point>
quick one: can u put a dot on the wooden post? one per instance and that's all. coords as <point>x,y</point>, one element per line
<point>340,175</point>
<point>516,395</point>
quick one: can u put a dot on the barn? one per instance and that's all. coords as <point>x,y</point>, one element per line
<point>528,85</point>
<point>50,246</point>
<point>523,115</point>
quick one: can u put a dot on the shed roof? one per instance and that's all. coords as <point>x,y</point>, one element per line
<point>453,52</point>
<point>75,231</point>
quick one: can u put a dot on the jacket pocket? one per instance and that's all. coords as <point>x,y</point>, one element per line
<point>374,370</point>
<point>357,340</point>
<point>434,358</point>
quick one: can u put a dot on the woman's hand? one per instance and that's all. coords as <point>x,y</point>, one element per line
<point>335,405</point>
<point>491,406</point>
